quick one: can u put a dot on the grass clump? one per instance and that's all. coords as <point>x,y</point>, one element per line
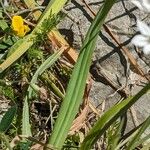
<point>47,96</point>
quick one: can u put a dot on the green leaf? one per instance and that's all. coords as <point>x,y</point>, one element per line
<point>136,139</point>
<point>24,145</point>
<point>144,141</point>
<point>5,139</point>
<point>1,14</point>
<point>14,47</point>
<point>45,65</point>
<point>26,127</point>
<point>7,119</point>
<point>53,8</point>
<point>50,83</point>
<point>6,42</point>
<point>3,25</point>
<point>131,135</point>
<point>35,53</point>
<point>116,132</point>
<point>127,137</point>
<point>75,89</point>
<point>8,92</point>
<point>109,117</point>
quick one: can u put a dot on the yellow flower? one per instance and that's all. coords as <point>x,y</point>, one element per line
<point>18,26</point>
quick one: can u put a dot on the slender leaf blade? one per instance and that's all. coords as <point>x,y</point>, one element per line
<point>135,140</point>
<point>77,83</point>
<point>26,127</point>
<point>53,8</point>
<point>109,117</point>
<point>7,119</point>
<point>45,65</point>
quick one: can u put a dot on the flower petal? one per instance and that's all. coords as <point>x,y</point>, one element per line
<point>143,28</point>
<point>140,40</point>
<point>146,49</point>
<point>21,32</point>
<point>17,22</point>
<point>18,26</point>
<point>26,29</point>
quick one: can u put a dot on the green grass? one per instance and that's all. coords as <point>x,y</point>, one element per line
<point>37,81</point>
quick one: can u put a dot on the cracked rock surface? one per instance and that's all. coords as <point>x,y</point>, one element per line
<point>111,70</point>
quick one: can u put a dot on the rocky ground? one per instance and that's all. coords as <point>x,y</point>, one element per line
<point>114,74</point>
<point>112,71</point>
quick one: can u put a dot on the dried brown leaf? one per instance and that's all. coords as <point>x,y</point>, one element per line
<point>79,121</point>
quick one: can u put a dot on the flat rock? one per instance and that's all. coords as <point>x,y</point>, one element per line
<point>108,59</point>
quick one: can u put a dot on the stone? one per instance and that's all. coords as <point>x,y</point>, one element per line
<point>107,57</point>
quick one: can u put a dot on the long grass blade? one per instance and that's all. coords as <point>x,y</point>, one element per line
<point>31,4</point>
<point>45,65</point>
<point>26,127</point>
<point>117,135</point>
<point>54,34</point>
<point>136,139</point>
<point>109,117</point>
<point>127,137</point>
<point>77,83</point>
<point>143,141</point>
<point>7,119</point>
<point>53,8</point>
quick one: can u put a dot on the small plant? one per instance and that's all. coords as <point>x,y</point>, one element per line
<point>47,88</point>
